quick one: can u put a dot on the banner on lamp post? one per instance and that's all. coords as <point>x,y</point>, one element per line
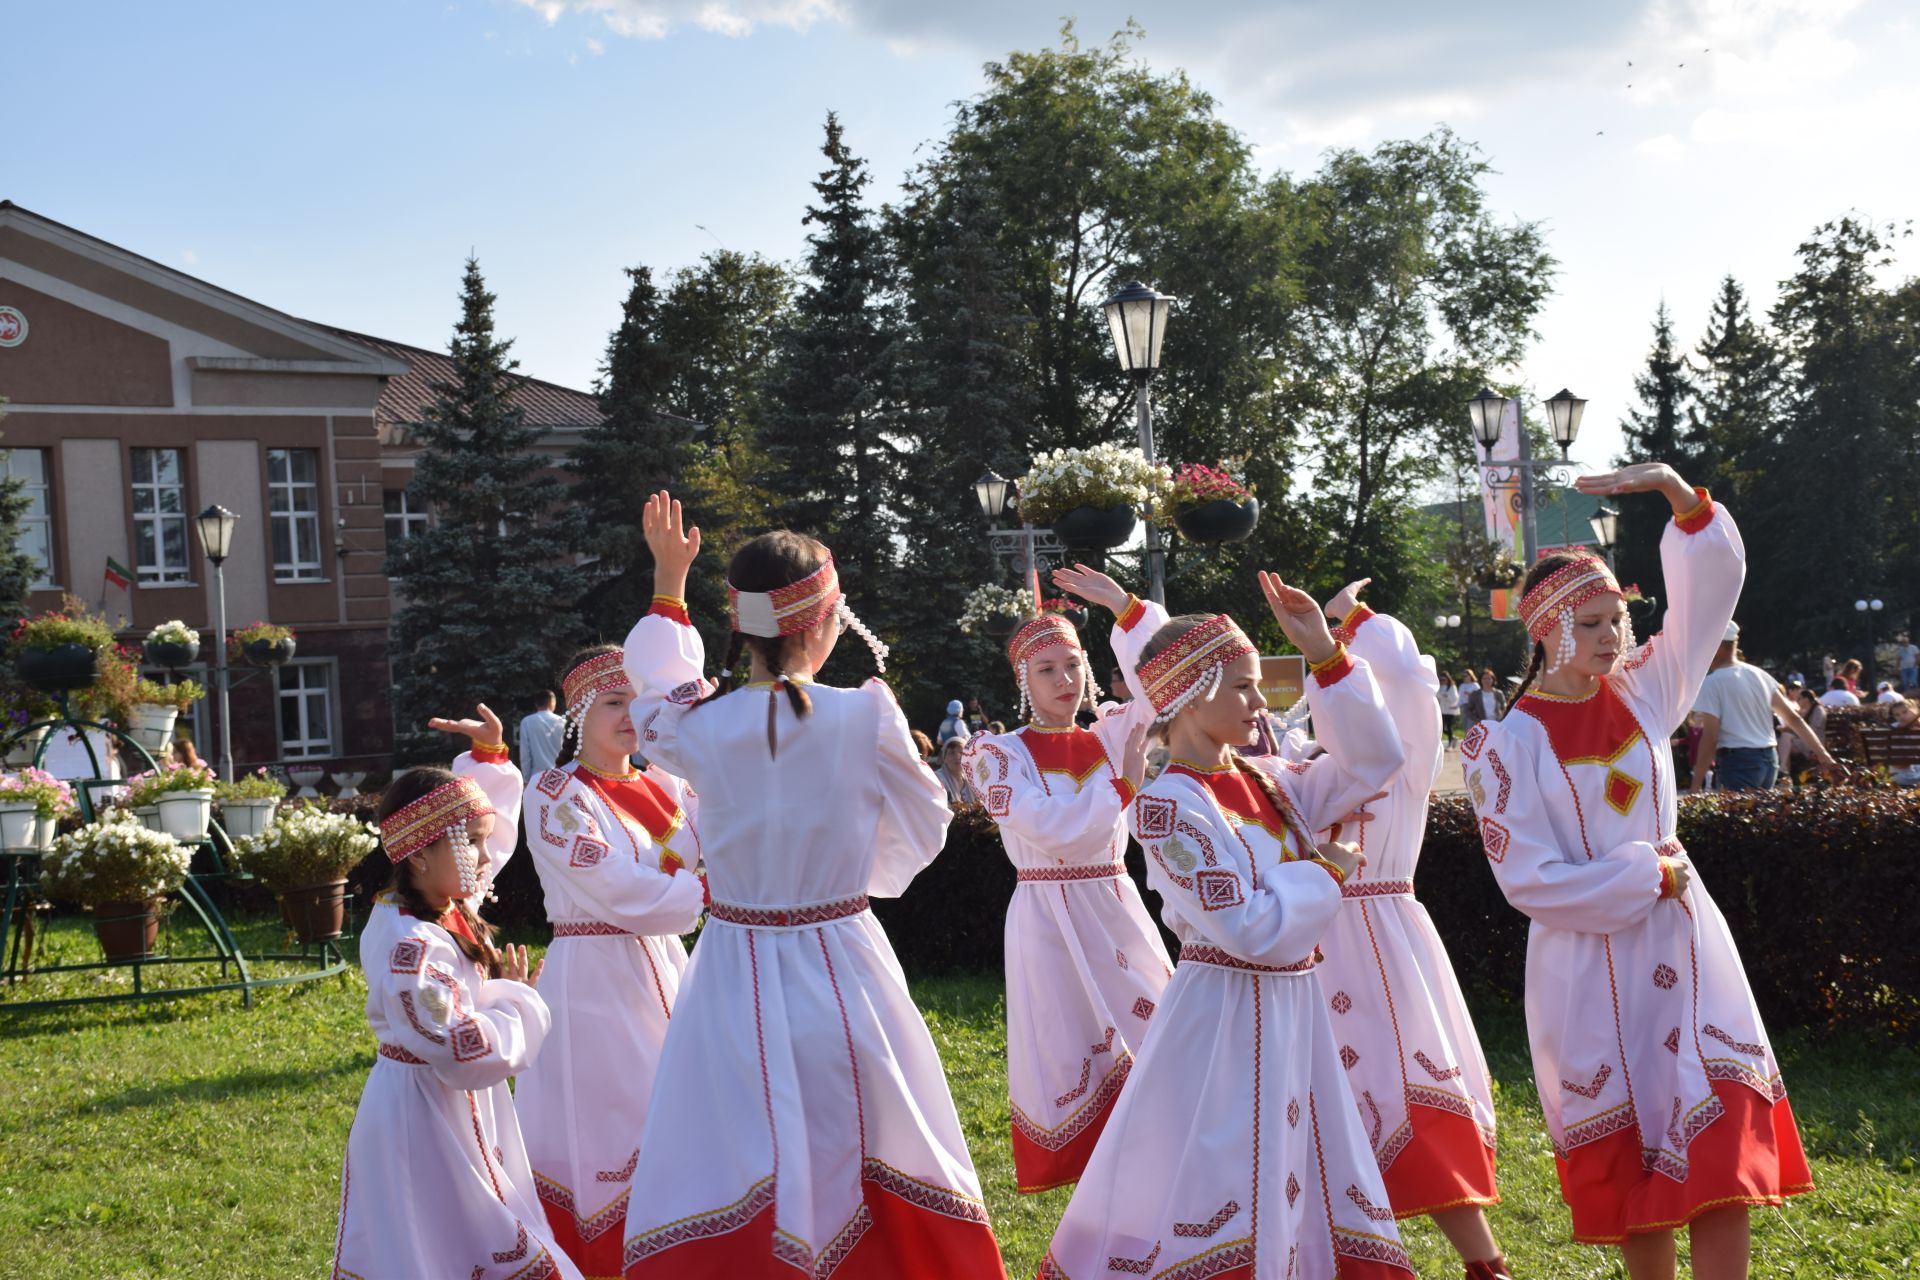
<point>1500,504</point>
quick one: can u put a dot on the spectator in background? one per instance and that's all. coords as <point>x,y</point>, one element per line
<point>1838,695</point>
<point>184,756</point>
<point>1908,655</point>
<point>1886,697</point>
<point>1491,703</point>
<point>954,726</point>
<point>924,745</point>
<point>953,775</point>
<point>1907,714</point>
<point>1827,669</point>
<point>976,716</point>
<point>1791,748</point>
<point>1117,686</point>
<point>1469,700</point>
<point>1449,696</point>
<point>1736,705</point>
<point>995,726</point>
<point>1850,672</point>
<point>539,737</point>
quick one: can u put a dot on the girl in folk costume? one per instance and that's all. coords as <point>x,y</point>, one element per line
<point>616,853</point>
<point>436,1181</point>
<point>1085,965</point>
<point>1661,1093</point>
<point>802,1119</point>
<point>1415,1066</point>
<point>1235,1150</point>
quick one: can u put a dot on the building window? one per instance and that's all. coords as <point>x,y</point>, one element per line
<point>406,517</point>
<point>293,504</point>
<point>306,710</point>
<point>160,516</point>
<point>29,467</point>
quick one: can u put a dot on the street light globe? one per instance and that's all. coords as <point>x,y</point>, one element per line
<point>1439,619</point>
<point>216,532</point>
<point>991,490</point>
<point>1877,606</point>
<point>1861,605</point>
<point>1453,619</point>
<point>1563,412</point>
<point>1137,319</point>
<point>1486,411</point>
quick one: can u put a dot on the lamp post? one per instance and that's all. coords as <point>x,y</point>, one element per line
<point>1867,608</point>
<point>1137,319</point>
<point>216,540</point>
<point>1606,531</point>
<point>1486,411</point>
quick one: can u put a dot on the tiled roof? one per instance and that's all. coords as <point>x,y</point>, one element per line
<point>406,399</point>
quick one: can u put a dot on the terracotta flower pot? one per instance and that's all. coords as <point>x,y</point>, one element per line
<point>1095,527</point>
<point>57,670</point>
<point>316,912</point>
<point>1218,521</point>
<point>127,930</point>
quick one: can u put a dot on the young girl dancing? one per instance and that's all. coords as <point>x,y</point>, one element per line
<point>436,1181</point>
<point>801,1122</point>
<point>616,853</point>
<point>1661,1093</point>
<point>1417,1073</point>
<point>1235,1150</point>
<point>1085,966</point>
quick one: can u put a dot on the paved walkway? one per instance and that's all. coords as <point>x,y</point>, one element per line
<point>1450,782</point>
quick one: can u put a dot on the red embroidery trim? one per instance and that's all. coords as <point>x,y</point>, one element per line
<point>788,917</point>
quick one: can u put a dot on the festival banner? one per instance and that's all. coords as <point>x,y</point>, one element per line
<point>1500,503</point>
<point>1283,680</point>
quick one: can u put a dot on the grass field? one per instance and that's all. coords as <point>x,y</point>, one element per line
<point>192,1138</point>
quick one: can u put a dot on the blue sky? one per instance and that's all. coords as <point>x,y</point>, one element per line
<point>338,162</point>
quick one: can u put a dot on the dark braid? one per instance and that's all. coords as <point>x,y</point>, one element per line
<point>1271,790</point>
<point>1534,664</point>
<point>767,563</point>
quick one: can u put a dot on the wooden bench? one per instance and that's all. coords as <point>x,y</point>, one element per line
<point>1885,746</point>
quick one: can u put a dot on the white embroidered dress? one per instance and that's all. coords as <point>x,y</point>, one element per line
<point>801,1118</point>
<point>1085,965</point>
<point>1419,1076</point>
<point>620,889</point>
<point>1235,1149</point>
<point>436,1180</point>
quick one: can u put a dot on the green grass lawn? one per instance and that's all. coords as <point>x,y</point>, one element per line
<point>193,1138</point>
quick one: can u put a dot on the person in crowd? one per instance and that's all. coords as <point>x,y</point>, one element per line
<point>1907,656</point>
<point>1662,1094</point>
<point>1236,1148</point>
<point>1469,687</point>
<point>1907,714</point>
<point>808,1126</point>
<point>924,745</point>
<point>1419,1078</point>
<point>184,756</point>
<point>1792,748</point>
<point>1838,695</point>
<point>1737,704</point>
<point>1492,705</point>
<point>1828,669</point>
<point>1085,966</point>
<point>1117,686</point>
<point>1885,696</point>
<point>436,1179</point>
<point>996,726</point>
<point>955,725</point>
<point>1449,697</point>
<point>1850,672</point>
<point>540,735</point>
<point>617,850</point>
<point>953,771</point>
<point>976,716</point>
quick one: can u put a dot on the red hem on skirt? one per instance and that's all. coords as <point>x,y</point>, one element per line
<point>599,1258</point>
<point>1751,1155</point>
<point>902,1242</point>
<point>1036,1169</point>
<point>1345,1268</point>
<point>1446,1164</point>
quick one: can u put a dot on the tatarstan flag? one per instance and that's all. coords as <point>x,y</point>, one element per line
<point>117,575</point>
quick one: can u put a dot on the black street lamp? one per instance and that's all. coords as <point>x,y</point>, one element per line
<point>1137,319</point>
<point>216,525</point>
<point>1564,411</point>
<point>1487,413</point>
<point>1606,531</point>
<point>991,489</point>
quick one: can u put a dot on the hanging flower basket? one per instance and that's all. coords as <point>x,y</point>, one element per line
<point>1218,521</point>
<point>1208,504</point>
<point>171,645</point>
<point>60,669</point>
<point>1499,575</point>
<point>995,610</point>
<point>1089,496</point>
<point>263,644</point>
<point>1096,528</point>
<point>1071,610</point>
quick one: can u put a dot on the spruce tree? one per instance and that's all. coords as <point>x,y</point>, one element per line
<point>489,587</point>
<point>1738,398</point>
<point>1655,432</point>
<point>833,437</point>
<point>17,568</point>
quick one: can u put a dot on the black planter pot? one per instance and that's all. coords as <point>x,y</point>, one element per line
<point>999,626</point>
<point>171,654</point>
<point>60,670</point>
<point>1095,527</point>
<point>1505,578</point>
<point>1218,521</point>
<point>1077,616</point>
<point>269,653</point>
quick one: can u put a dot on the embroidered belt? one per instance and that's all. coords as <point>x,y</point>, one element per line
<point>1104,871</point>
<point>590,929</point>
<point>1377,889</point>
<point>398,1054</point>
<point>787,917</point>
<point>1199,953</point>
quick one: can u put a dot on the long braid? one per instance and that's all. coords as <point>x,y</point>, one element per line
<point>1271,790</point>
<point>1534,664</point>
<point>726,683</point>
<point>482,952</point>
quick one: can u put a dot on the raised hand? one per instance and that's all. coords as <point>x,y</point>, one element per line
<point>1092,586</point>
<point>1341,605</point>
<point>483,732</point>
<point>1642,477</point>
<point>1299,617</point>
<point>1133,756</point>
<point>674,545</point>
<point>513,963</point>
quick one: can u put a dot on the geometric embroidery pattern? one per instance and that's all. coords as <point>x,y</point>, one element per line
<point>1142,1008</point>
<point>923,1195</point>
<point>552,782</point>
<point>1209,1228</point>
<point>1426,1064</point>
<point>1153,817</point>
<point>1086,1073</point>
<point>1664,977</point>
<point>1506,782</point>
<point>999,799</point>
<point>1218,889</point>
<point>1470,746</point>
<point>703,1226</point>
<point>413,1019</point>
<point>1348,1056</point>
<point>1740,1046</point>
<point>1293,1190</point>
<point>1341,1002</point>
<point>1368,1207</point>
<point>519,1249</point>
<point>1592,1088</point>
<point>1621,791</point>
<point>407,955</point>
<point>1135,1266</point>
<point>587,852</point>
<point>1673,1041</point>
<point>1293,1113</point>
<point>558,842</point>
<point>622,1174</point>
<point>469,1040</point>
<point>1495,837</point>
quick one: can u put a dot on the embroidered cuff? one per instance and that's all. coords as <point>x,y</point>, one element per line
<point>1669,882</point>
<point>489,753</point>
<point>1339,876</point>
<point>1350,624</point>
<point>1130,616</point>
<point>671,607</point>
<point>1332,669</point>
<point>1700,516</point>
<point>1125,788</point>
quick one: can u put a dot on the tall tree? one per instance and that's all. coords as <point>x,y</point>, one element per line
<point>18,570</point>
<point>1656,431</point>
<point>831,433</point>
<point>1738,386</point>
<point>490,587</point>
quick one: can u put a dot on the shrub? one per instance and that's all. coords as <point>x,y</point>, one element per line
<point>116,859</point>
<point>307,845</point>
<point>72,623</point>
<point>179,695</point>
<point>258,785</point>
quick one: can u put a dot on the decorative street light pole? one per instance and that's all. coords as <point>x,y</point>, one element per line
<point>1137,318</point>
<point>1606,531</point>
<point>1024,548</point>
<point>216,539</point>
<point>1486,411</point>
<point>1867,608</point>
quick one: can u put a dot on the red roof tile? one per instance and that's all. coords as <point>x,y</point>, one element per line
<point>406,399</point>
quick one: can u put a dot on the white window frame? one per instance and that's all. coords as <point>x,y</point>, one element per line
<point>410,522</point>
<point>282,509</point>
<point>309,747</point>
<point>40,493</point>
<point>162,572</point>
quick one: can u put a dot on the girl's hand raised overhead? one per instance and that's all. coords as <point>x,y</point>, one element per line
<point>483,732</point>
<point>1092,586</point>
<point>1643,477</point>
<point>1343,604</point>
<point>1299,617</point>
<point>674,545</point>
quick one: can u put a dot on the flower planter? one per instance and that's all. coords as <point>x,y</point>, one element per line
<point>184,814</point>
<point>246,817</point>
<point>269,653</point>
<point>127,930</point>
<point>1001,625</point>
<point>349,783</point>
<point>23,749</point>
<point>1502,577</point>
<point>151,725</point>
<point>170,653</point>
<point>44,832</point>
<point>308,780</point>
<point>1218,521</point>
<point>149,816</point>
<point>19,825</point>
<point>1095,527</point>
<point>58,670</point>
<point>316,912</point>
<point>1078,617</point>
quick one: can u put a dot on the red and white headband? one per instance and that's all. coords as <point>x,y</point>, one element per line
<point>448,806</point>
<point>1048,631</point>
<point>1191,667</point>
<point>1565,589</point>
<point>797,607</point>
<point>588,679</point>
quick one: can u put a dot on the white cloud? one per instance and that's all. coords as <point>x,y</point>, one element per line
<point>595,47</point>
<point>657,19</point>
<point>1663,147</point>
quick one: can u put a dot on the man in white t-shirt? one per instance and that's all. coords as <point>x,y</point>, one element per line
<point>1736,705</point>
<point>1838,695</point>
<point>1886,696</point>
<point>541,734</point>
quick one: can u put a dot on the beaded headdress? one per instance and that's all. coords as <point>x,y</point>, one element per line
<point>1049,630</point>
<point>588,679</point>
<point>798,607</point>
<point>1556,597</point>
<point>1191,667</point>
<point>448,807</point>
